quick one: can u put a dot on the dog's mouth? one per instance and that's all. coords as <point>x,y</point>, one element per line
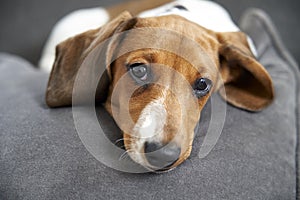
<point>163,170</point>
<point>159,169</point>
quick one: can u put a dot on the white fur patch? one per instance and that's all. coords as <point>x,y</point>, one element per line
<point>151,121</point>
<point>252,46</point>
<point>149,127</point>
<point>205,13</point>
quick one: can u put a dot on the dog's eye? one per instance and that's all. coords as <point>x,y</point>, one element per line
<point>139,71</point>
<point>202,87</point>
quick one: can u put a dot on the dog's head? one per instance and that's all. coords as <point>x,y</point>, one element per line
<point>155,94</point>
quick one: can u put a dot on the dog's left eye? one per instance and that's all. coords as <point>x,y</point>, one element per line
<point>202,87</point>
<point>139,71</point>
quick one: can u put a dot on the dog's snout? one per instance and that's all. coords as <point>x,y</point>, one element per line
<point>160,155</point>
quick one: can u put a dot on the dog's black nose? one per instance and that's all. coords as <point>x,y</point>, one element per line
<point>161,156</point>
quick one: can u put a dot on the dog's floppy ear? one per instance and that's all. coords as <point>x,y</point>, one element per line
<point>69,57</point>
<point>247,84</point>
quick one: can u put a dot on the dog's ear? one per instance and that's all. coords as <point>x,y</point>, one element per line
<point>247,84</point>
<point>69,56</point>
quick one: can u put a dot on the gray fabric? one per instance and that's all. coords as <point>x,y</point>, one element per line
<point>42,156</point>
<point>260,19</point>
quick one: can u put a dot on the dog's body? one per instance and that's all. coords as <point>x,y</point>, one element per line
<point>171,75</point>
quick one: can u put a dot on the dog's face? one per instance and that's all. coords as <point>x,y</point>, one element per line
<point>162,107</point>
<point>164,90</point>
<point>163,112</point>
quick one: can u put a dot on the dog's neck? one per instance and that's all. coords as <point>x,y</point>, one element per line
<point>205,13</point>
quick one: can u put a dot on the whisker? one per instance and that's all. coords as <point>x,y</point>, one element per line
<point>124,155</point>
<point>119,140</point>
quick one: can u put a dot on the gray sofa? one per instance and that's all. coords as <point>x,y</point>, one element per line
<point>256,156</point>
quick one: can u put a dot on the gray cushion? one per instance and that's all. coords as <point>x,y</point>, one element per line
<point>42,157</point>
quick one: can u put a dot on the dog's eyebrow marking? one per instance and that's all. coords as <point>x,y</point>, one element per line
<point>180,7</point>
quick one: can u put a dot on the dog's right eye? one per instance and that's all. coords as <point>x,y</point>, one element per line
<point>202,87</point>
<point>139,72</point>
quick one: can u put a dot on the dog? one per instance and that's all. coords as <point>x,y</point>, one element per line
<point>164,115</point>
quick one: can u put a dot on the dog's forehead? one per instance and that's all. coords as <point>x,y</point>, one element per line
<point>174,33</point>
<point>174,41</point>
<point>178,24</point>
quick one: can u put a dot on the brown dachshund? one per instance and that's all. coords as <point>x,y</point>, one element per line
<point>170,90</point>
